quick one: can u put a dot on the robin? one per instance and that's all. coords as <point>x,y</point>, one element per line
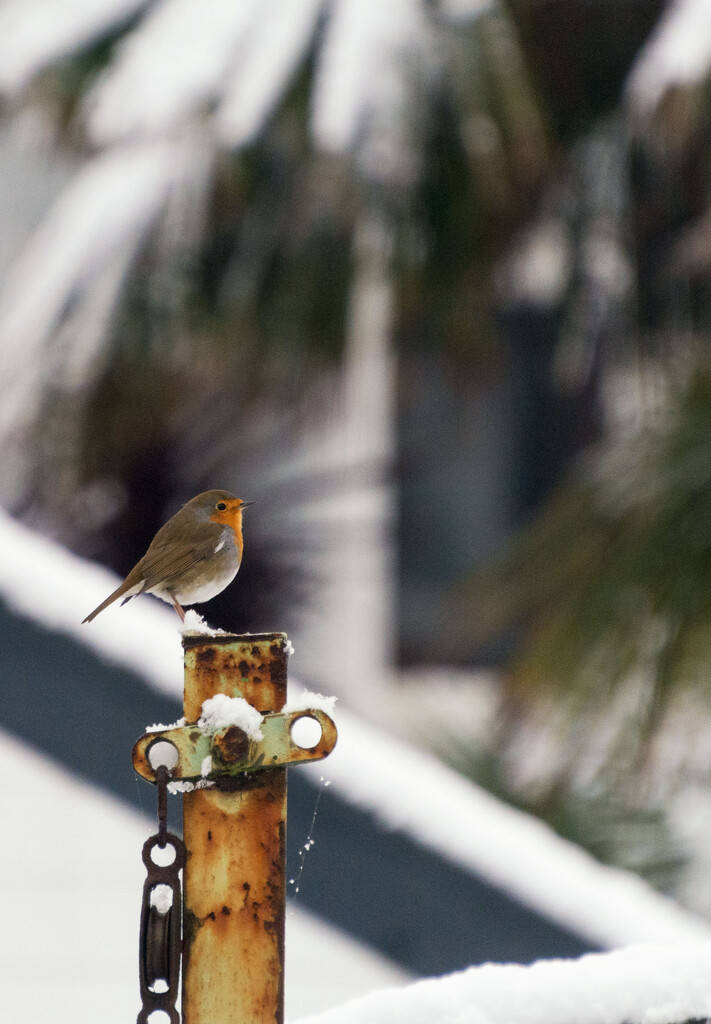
<point>192,558</point>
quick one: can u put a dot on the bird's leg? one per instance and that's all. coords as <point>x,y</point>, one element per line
<point>177,607</point>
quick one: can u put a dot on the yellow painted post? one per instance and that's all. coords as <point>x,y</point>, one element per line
<point>235,835</point>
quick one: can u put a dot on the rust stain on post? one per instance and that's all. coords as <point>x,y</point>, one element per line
<point>233,957</point>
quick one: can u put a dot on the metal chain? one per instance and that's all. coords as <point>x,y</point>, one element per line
<point>160,936</point>
<point>162,776</point>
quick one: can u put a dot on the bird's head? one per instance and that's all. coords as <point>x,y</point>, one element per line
<point>220,507</point>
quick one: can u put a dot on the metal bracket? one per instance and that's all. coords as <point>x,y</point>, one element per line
<point>230,751</point>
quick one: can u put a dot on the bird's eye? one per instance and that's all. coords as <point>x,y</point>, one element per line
<point>221,506</point>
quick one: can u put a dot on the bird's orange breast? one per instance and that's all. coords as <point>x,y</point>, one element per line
<point>232,517</point>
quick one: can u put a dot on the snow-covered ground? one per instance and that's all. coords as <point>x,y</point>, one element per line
<point>644,984</point>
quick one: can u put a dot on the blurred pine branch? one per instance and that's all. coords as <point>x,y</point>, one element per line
<point>609,588</point>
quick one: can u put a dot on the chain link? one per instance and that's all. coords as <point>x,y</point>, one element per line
<point>161,912</point>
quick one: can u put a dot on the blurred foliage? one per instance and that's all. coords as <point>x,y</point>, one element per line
<point>580,55</point>
<point>223,336</point>
<point>613,577</point>
<point>604,598</point>
<point>232,322</point>
<point>616,820</point>
<point>606,700</point>
<point>486,154</point>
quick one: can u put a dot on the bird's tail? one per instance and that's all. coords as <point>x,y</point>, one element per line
<point>129,587</point>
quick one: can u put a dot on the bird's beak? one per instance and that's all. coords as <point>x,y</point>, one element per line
<point>245,504</point>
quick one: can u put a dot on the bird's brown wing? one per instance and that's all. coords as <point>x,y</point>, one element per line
<point>167,557</point>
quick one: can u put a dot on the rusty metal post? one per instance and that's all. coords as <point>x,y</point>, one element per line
<point>235,834</point>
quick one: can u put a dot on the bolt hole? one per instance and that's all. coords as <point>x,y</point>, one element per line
<point>163,858</point>
<point>306,732</point>
<point>158,1016</point>
<point>162,753</point>
<point>159,986</point>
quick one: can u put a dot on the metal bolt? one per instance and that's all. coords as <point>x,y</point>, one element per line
<point>231,746</point>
